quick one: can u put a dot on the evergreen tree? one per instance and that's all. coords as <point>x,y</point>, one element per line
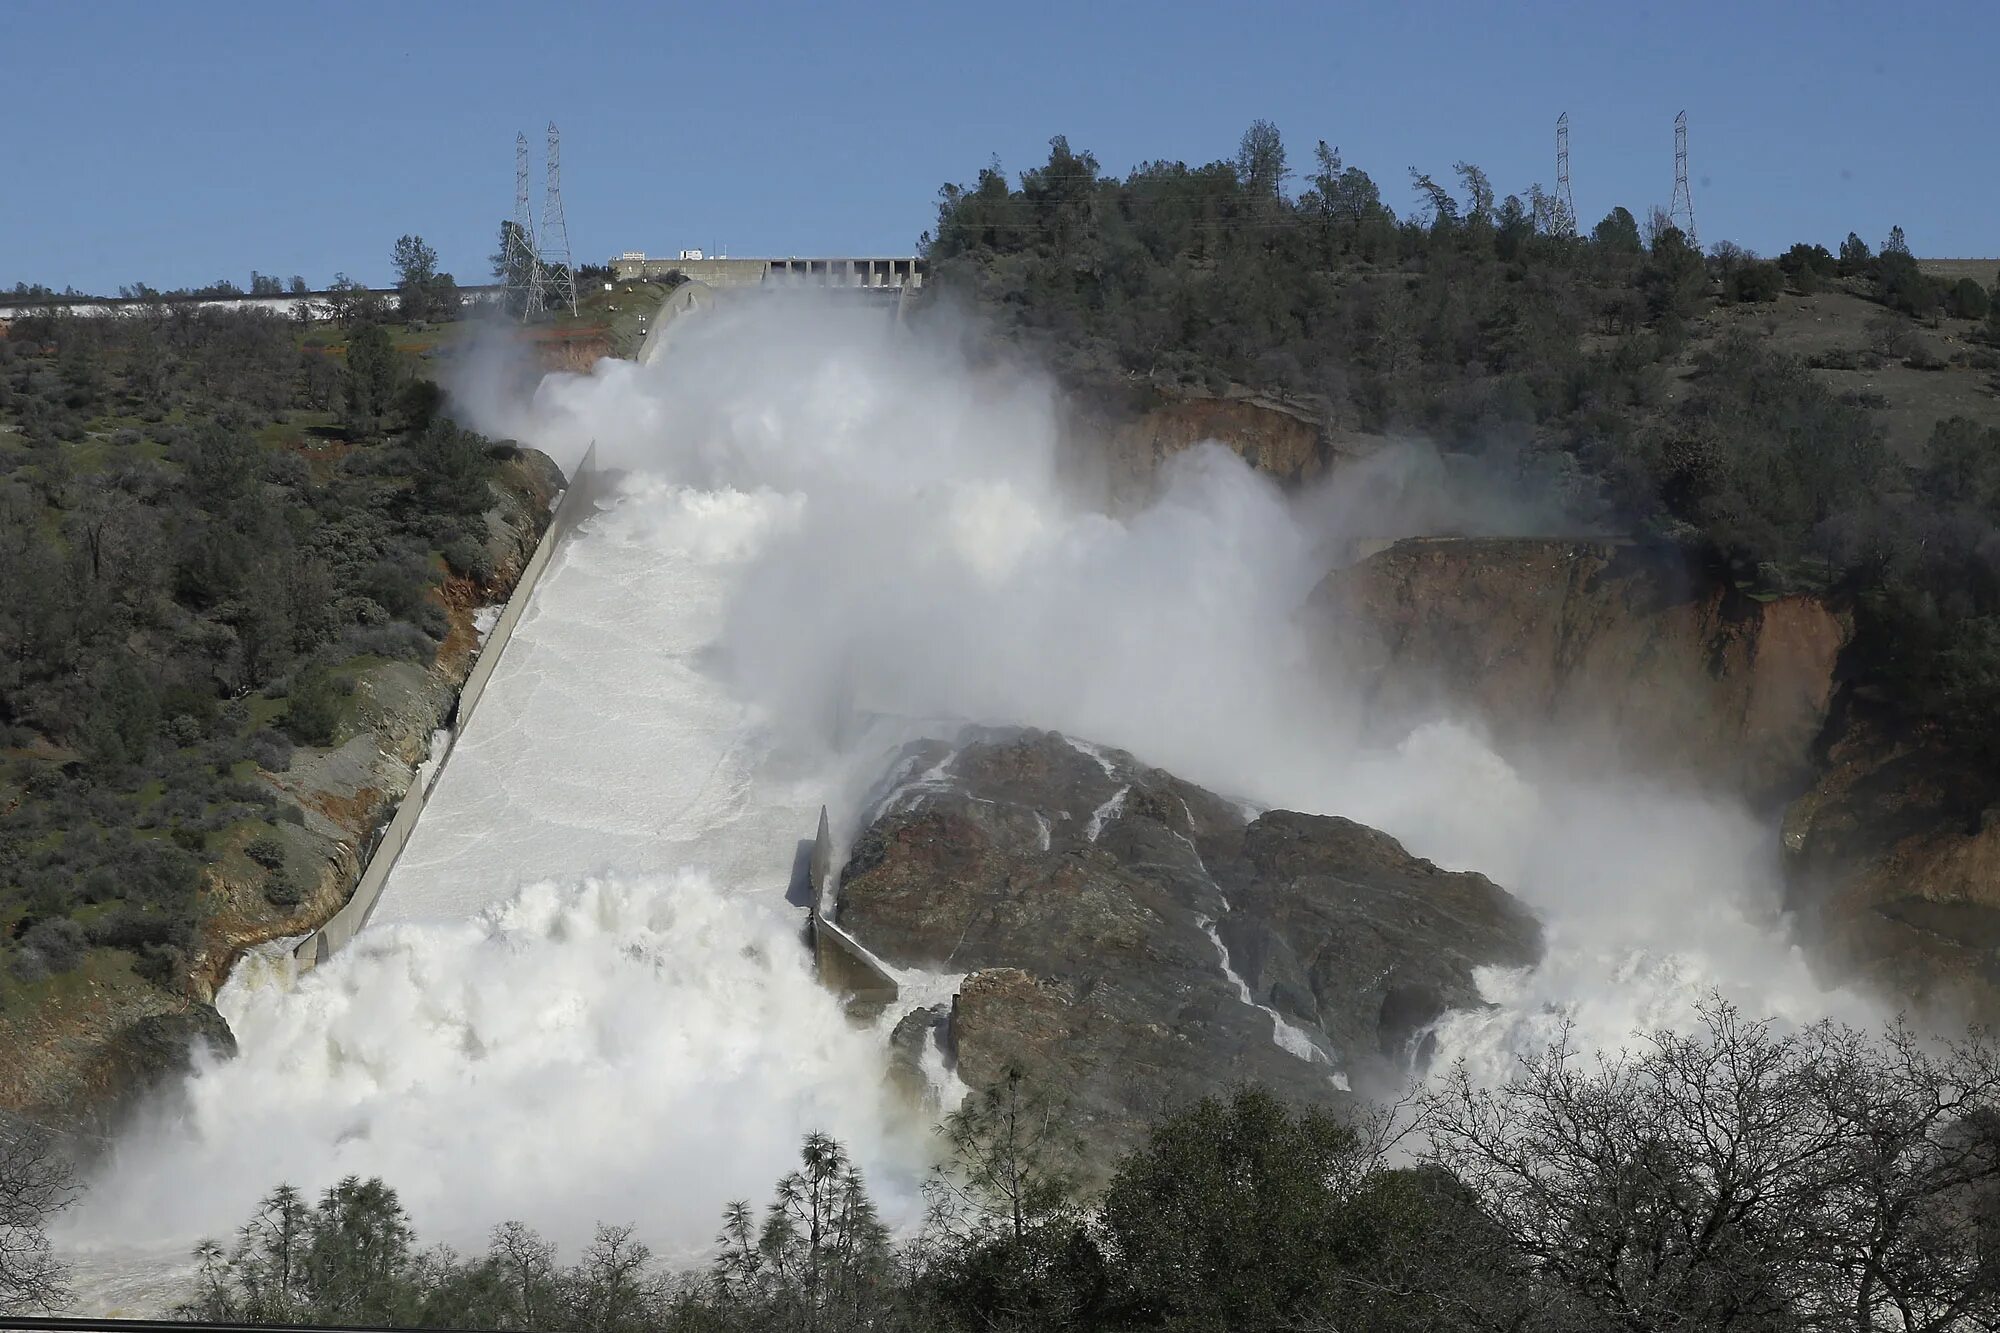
<point>825,1250</point>
<point>371,378</point>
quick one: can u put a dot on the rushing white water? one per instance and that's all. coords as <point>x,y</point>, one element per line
<point>582,995</point>
<point>1286,1036</point>
<point>612,745</point>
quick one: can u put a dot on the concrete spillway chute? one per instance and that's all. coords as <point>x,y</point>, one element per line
<point>688,299</point>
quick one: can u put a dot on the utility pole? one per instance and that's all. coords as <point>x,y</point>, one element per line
<point>1565,222</point>
<point>519,260</point>
<point>1682,209</point>
<point>557,280</point>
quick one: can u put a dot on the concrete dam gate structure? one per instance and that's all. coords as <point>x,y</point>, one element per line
<point>886,284</point>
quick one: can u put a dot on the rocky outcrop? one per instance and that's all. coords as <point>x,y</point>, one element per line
<point>82,1058</point>
<point>1131,431</point>
<point>1893,868</point>
<point>1137,941</point>
<point>1625,650</point>
<point>1272,438</point>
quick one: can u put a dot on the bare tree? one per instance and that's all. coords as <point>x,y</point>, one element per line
<point>36,1183</point>
<point>1737,1178</point>
<point>611,1288</point>
<point>1658,223</point>
<point>527,1265</point>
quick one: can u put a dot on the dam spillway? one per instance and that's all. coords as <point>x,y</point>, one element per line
<point>583,995</point>
<point>604,742</point>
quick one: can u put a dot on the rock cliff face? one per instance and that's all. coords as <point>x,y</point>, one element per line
<point>1612,645</point>
<point>1272,438</point>
<point>1130,433</point>
<point>82,1059</point>
<point>1137,941</point>
<point>1893,861</point>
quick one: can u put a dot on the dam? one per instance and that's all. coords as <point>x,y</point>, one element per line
<point>792,272</point>
<point>584,994</point>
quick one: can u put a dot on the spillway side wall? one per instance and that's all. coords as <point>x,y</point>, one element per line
<point>844,966</point>
<point>578,503</point>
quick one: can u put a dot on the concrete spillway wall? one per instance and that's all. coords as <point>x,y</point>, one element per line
<point>844,966</point>
<point>578,503</point>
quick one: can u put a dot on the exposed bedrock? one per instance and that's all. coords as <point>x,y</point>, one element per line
<point>1137,941</point>
<point>1123,434</point>
<point>1893,864</point>
<point>1631,654</point>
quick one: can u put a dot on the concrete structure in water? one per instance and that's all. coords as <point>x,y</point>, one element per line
<point>844,966</point>
<point>723,274</point>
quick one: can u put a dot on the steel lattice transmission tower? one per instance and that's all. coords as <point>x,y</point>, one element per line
<point>1681,212</point>
<point>518,261</point>
<point>1565,220</point>
<point>557,276</point>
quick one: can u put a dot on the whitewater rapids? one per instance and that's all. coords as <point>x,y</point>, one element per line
<point>583,997</point>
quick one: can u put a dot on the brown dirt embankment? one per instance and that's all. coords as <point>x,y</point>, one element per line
<point>1893,866</point>
<point>1629,652</point>
<point>1126,433</point>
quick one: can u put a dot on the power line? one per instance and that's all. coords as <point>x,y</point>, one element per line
<point>519,262</point>
<point>1682,209</point>
<point>556,276</point>
<point>1564,224</point>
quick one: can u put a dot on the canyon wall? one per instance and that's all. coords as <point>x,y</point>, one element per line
<point>1610,649</point>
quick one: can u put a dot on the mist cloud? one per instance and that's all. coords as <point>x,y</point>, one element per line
<point>867,536</point>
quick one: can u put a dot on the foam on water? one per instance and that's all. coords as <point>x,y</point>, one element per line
<point>582,997</point>
<point>559,1056</point>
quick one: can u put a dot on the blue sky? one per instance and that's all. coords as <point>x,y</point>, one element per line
<point>176,143</point>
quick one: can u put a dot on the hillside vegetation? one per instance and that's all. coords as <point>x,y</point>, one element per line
<point>213,524</point>
<point>1823,421</point>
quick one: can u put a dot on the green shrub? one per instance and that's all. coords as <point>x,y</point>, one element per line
<point>469,557</point>
<point>280,890</point>
<point>312,711</point>
<point>266,851</point>
<point>1901,285</point>
<point>133,926</point>
<point>453,470</point>
<point>163,965</point>
<point>1761,282</point>
<point>57,943</point>
<point>1967,300</point>
<point>271,750</point>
